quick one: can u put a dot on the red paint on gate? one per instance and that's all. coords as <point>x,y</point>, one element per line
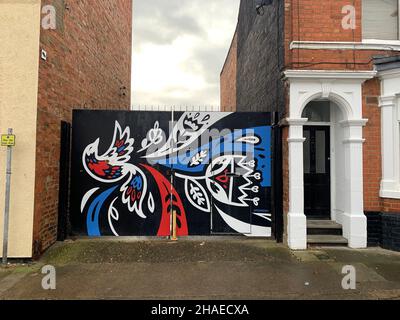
<point>166,189</point>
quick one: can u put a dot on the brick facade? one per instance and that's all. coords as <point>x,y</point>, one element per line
<point>259,60</point>
<point>315,20</point>
<point>391,231</point>
<point>228,79</point>
<point>372,146</point>
<point>88,67</point>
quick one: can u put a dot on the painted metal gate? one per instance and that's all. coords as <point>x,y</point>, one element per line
<point>131,169</point>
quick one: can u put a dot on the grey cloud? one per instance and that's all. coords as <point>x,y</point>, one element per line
<point>162,22</point>
<point>208,61</point>
<point>192,98</point>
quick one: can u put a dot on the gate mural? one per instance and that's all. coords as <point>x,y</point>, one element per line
<point>131,169</point>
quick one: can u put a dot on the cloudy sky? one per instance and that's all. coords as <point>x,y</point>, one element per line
<point>179,47</point>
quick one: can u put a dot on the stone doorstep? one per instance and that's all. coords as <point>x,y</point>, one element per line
<point>326,240</point>
<point>323,224</point>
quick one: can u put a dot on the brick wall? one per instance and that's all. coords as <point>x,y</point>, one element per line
<point>372,152</point>
<point>314,20</point>
<point>374,229</point>
<point>88,67</point>
<point>391,231</point>
<point>228,78</point>
<point>260,58</point>
<point>258,77</point>
<point>372,145</point>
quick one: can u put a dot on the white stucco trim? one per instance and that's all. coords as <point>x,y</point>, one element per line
<point>390,45</point>
<point>354,123</point>
<point>293,75</point>
<point>390,194</point>
<point>343,88</point>
<point>390,133</point>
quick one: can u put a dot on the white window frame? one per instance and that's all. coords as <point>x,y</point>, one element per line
<point>390,134</point>
<point>384,42</point>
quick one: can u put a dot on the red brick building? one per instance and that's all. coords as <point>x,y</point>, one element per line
<point>82,61</point>
<point>228,78</point>
<point>338,73</point>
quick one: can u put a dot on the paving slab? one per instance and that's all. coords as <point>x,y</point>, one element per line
<point>223,269</point>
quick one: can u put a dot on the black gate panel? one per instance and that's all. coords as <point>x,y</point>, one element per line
<point>63,196</point>
<point>130,170</point>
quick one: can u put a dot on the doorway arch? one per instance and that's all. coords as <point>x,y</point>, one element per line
<point>343,88</point>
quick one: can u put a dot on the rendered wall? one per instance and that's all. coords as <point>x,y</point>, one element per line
<point>19,56</point>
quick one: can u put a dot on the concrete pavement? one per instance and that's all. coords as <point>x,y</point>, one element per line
<point>227,268</point>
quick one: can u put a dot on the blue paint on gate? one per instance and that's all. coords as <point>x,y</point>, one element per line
<point>228,145</point>
<point>92,222</point>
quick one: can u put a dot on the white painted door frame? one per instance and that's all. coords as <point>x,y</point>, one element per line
<point>345,89</point>
<point>332,158</point>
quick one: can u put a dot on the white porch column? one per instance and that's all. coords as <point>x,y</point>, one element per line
<point>297,222</point>
<point>389,165</point>
<point>390,133</point>
<point>353,219</point>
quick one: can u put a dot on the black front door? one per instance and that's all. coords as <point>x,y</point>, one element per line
<point>317,185</point>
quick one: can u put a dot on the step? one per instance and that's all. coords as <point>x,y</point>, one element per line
<point>326,240</point>
<point>324,227</point>
<point>325,224</point>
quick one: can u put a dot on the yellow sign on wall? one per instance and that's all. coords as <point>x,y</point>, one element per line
<point>7,140</point>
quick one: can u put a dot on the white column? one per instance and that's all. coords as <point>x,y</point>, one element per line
<point>398,106</point>
<point>297,222</point>
<point>354,219</point>
<point>389,169</point>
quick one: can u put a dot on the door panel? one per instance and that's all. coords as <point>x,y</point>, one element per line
<point>317,188</point>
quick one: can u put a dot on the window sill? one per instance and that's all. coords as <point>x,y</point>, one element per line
<point>381,42</point>
<point>381,45</point>
<point>390,194</point>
